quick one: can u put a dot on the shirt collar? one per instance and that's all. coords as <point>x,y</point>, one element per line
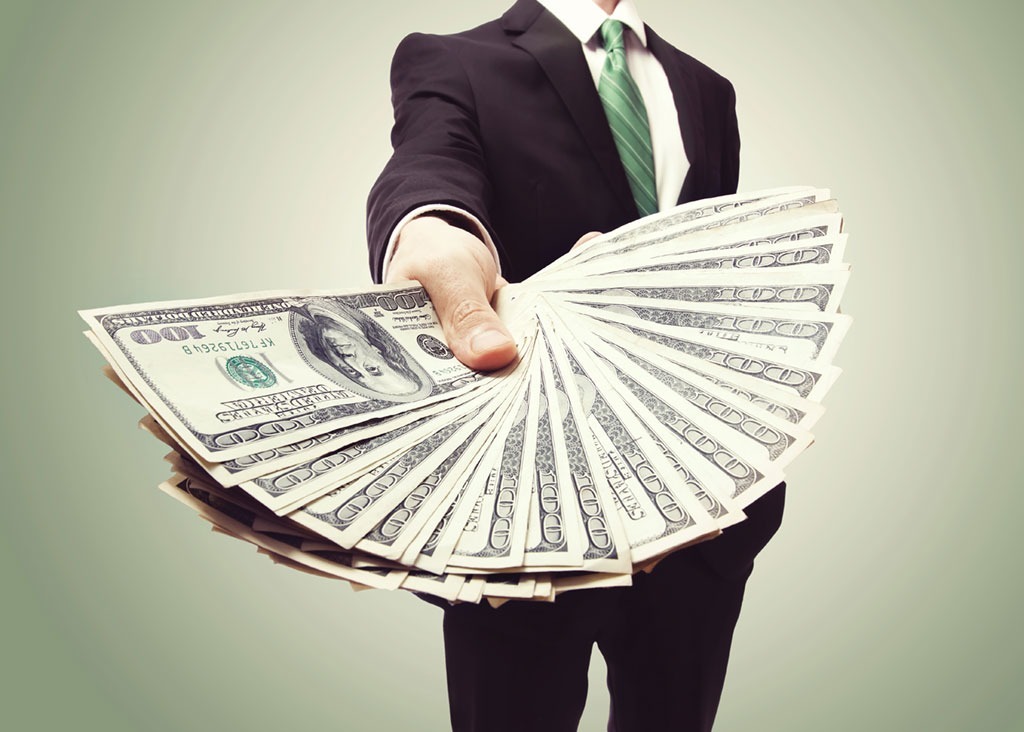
<point>583,18</point>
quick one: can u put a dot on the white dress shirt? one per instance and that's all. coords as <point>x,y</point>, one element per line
<point>583,18</point>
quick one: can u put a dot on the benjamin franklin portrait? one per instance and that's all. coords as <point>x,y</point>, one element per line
<point>352,350</point>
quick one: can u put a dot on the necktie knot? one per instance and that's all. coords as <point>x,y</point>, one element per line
<point>612,36</point>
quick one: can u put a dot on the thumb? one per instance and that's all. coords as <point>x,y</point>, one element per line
<point>473,330</point>
<point>585,238</point>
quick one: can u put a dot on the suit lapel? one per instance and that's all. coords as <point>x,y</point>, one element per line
<point>558,53</point>
<point>691,119</point>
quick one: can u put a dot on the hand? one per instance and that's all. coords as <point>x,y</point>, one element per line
<point>461,277</point>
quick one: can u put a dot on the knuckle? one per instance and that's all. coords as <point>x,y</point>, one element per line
<point>466,314</point>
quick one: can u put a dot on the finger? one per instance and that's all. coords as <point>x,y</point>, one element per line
<point>585,238</point>
<point>459,275</point>
<point>473,330</point>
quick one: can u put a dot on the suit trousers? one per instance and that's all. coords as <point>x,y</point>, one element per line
<point>665,640</point>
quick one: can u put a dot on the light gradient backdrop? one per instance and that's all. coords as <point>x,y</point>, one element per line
<point>156,150</point>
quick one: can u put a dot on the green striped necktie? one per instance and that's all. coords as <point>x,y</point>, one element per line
<point>627,118</point>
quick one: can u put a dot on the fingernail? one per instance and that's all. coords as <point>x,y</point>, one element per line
<point>488,340</point>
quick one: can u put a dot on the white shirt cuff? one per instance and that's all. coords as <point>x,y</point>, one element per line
<point>389,253</point>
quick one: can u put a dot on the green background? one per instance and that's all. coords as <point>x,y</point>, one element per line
<point>166,150</point>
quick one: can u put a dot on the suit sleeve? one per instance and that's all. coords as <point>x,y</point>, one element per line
<point>438,156</point>
<point>730,175</point>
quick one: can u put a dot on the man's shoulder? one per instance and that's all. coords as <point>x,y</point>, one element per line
<point>700,71</point>
<point>488,33</point>
<point>497,34</point>
<point>469,48</point>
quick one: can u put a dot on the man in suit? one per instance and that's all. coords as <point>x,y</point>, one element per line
<point>504,156</point>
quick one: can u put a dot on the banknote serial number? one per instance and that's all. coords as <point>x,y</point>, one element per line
<point>227,346</point>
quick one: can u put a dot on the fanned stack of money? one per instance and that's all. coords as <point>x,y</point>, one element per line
<point>668,372</point>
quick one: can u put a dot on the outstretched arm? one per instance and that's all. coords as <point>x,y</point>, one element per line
<point>438,160</point>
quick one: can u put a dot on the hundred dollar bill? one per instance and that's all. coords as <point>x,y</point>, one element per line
<point>808,246</point>
<point>269,526</point>
<point>802,378</point>
<point>390,535</point>
<point>813,232</point>
<point>744,209</point>
<point>288,489</point>
<point>766,436</point>
<point>819,289</point>
<point>569,581</point>
<point>679,218</point>
<point>431,529</point>
<point>709,485</point>
<point>315,463</point>
<point>112,374</point>
<point>789,407</point>
<point>660,407</point>
<point>517,586</point>
<point>345,515</point>
<point>445,586</point>
<point>269,464</point>
<point>250,467</point>
<point>431,548</point>
<point>472,590</point>
<point>824,251</point>
<point>387,512</point>
<point>290,564</point>
<point>794,409</point>
<point>669,370</point>
<point>233,376</point>
<point>711,490</point>
<point>494,535</point>
<point>808,337</point>
<point>810,223</point>
<point>657,513</point>
<point>578,468</point>
<point>552,528</point>
<point>629,242</point>
<point>207,501</point>
<point>488,529</point>
<point>543,590</point>
<point>807,221</point>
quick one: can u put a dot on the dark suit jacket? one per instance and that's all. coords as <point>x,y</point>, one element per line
<point>504,121</point>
